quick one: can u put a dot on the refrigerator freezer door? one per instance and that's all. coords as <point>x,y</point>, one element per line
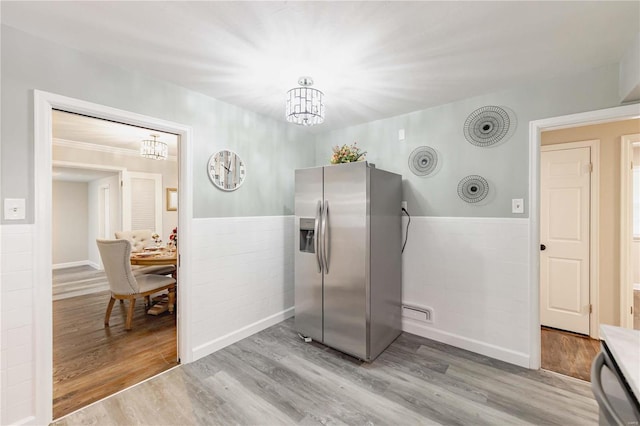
<point>347,237</point>
<point>308,274</point>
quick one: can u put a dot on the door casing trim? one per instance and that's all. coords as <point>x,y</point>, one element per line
<point>535,129</point>
<point>44,104</point>
<point>626,229</point>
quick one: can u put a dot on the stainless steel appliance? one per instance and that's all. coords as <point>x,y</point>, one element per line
<point>618,404</point>
<point>348,269</point>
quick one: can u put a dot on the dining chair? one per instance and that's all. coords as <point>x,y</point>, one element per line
<point>140,239</point>
<point>124,284</point>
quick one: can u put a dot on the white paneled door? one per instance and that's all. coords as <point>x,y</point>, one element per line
<point>565,192</point>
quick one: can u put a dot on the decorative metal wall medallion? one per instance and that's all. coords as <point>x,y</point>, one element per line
<point>488,125</point>
<point>423,160</point>
<point>473,188</point>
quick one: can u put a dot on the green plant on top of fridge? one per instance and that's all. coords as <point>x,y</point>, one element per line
<point>347,154</point>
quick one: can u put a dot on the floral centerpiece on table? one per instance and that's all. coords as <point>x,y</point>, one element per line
<point>347,154</point>
<point>173,238</point>
<point>156,238</point>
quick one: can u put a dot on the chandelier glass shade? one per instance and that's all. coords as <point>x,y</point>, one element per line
<point>305,105</point>
<point>154,149</point>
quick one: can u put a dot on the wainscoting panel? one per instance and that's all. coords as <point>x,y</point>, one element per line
<point>473,273</point>
<point>242,279</point>
<point>17,354</point>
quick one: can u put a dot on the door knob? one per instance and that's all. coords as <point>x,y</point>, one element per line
<point>543,247</point>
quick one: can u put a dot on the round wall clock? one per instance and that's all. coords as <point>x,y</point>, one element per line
<point>226,170</point>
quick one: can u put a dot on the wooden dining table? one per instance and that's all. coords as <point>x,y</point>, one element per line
<point>153,257</point>
<point>160,256</point>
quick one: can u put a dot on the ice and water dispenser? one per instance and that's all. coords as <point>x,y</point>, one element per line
<point>307,237</point>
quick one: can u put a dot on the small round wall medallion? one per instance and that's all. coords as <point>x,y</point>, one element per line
<point>423,161</point>
<point>473,188</point>
<point>489,125</point>
<point>226,170</point>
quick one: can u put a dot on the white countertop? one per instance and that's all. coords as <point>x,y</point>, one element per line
<point>624,345</point>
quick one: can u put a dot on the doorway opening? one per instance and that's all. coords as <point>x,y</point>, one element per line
<point>569,235</point>
<point>44,106</point>
<point>630,231</point>
<point>113,190</point>
<point>580,281</point>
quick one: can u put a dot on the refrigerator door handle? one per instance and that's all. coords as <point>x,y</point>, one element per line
<point>325,237</point>
<point>316,236</point>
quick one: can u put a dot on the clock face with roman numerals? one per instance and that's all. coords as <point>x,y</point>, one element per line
<point>226,170</point>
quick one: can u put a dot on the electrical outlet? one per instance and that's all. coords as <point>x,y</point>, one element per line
<point>401,134</point>
<point>14,208</point>
<point>517,205</point>
<point>404,205</point>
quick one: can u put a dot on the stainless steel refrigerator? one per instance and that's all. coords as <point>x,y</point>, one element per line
<point>348,269</point>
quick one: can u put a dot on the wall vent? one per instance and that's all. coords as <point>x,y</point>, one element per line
<point>418,313</point>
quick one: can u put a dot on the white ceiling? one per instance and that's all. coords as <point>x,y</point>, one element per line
<point>371,59</point>
<point>79,128</point>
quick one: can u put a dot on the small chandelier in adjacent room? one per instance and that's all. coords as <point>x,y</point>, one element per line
<point>304,104</point>
<point>154,149</point>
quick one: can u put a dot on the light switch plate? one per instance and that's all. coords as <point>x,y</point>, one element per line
<point>517,205</point>
<point>401,134</point>
<point>14,208</point>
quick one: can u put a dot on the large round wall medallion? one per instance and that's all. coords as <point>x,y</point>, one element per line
<point>488,125</point>
<point>226,170</point>
<point>473,188</point>
<point>423,161</point>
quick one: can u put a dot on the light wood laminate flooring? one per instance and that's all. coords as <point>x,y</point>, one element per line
<point>91,361</point>
<point>274,378</point>
<point>568,353</point>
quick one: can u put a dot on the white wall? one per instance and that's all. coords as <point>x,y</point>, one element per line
<point>70,209</point>
<point>504,165</point>
<point>17,371</point>
<point>487,311</point>
<point>168,169</point>
<point>271,150</point>
<point>243,278</point>
<point>630,73</point>
<point>473,273</point>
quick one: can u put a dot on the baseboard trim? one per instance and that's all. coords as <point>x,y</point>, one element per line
<point>74,264</point>
<point>235,336</point>
<point>31,420</point>
<point>483,348</point>
<point>82,292</point>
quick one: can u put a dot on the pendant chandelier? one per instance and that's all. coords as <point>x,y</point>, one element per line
<point>154,149</point>
<point>304,104</point>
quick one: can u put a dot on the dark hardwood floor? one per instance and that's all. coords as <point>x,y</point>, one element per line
<point>568,353</point>
<point>274,378</point>
<point>91,361</point>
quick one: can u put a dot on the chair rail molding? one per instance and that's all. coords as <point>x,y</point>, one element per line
<point>44,103</point>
